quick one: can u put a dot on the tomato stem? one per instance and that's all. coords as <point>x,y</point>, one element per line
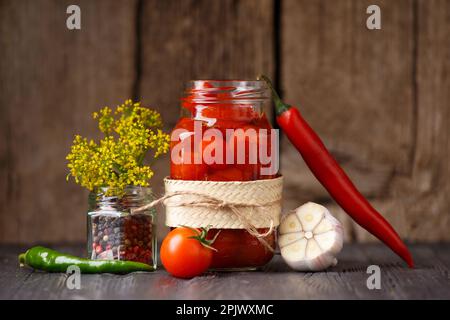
<point>201,236</point>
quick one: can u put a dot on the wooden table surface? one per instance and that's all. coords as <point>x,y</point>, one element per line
<point>429,280</point>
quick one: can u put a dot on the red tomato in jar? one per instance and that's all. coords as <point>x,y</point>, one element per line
<point>238,248</point>
<point>186,163</point>
<point>231,174</point>
<point>199,91</point>
<point>215,147</point>
<point>230,112</point>
<point>185,123</point>
<point>183,256</point>
<point>245,139</point>
<point>186,170</point>
<point>187,104</point>
<point>252,141</point>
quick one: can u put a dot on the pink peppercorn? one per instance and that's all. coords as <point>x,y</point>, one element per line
<point>98,249</point>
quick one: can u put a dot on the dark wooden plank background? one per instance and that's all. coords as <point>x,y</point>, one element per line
<point>380,99</point>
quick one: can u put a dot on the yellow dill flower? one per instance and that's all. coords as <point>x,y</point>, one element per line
<point>117,160</point>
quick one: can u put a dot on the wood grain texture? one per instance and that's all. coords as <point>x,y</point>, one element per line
<point>429,280</point>
<point>354,86</point>
<point>379,99</point>
<point>423,194</point>
<point>185,40</point>
<point>419,197</point>
<point>52,79</point>
<point>348,78</point>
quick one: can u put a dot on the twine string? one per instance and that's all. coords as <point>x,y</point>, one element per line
<point>207,201</point>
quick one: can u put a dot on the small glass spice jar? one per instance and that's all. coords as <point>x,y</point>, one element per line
<point>114,233</point>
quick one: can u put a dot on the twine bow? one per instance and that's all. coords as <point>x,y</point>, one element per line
<point>206,201</point>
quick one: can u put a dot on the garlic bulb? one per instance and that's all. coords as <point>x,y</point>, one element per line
<point>310,238</point>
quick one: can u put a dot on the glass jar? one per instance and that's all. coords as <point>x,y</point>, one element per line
<point>116,234</point>
<point>227,106</point>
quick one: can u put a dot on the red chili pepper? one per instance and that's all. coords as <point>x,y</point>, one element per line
<point>333,178</point>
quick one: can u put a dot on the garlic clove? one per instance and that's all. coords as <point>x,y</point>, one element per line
<point>297,249</point>
<point>310,238</point>
<point>289,238</point>
<point>327,240</point>
<point>290,224</point>
<point>324,226</point>
<point>313,250</point>
<point>310,215</point>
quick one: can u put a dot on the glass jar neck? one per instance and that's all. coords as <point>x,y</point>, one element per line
<point>226,91</point>
<point>206,98</point>
<point>129,197</point>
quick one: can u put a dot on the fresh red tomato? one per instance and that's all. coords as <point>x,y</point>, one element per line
<point>183,256</point>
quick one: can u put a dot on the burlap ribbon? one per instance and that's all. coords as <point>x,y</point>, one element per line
<point>248,205</point>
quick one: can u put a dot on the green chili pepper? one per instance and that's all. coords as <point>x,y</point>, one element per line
<point>53,261</point>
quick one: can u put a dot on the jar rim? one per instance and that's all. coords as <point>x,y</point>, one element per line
<point>255,83</point>
<point>127,190</point>
<point>233,91</point>
<point>131,196</point>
